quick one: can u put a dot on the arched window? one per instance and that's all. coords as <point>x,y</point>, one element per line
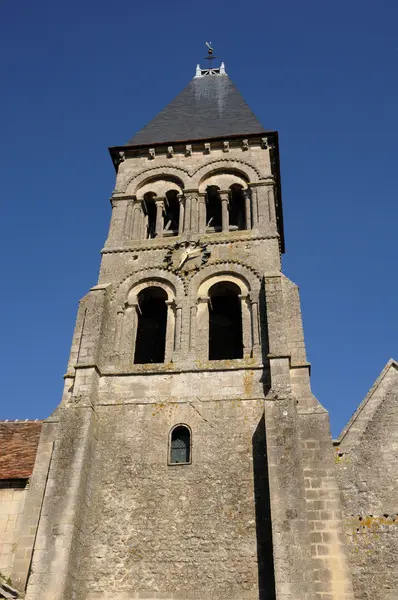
<point>225,321</point>
<point>151,330</point>
<point>150,211</point>
<point>213,208</point>
<point>237,218</point>
<point>180,445</point>
<point>171,213</point>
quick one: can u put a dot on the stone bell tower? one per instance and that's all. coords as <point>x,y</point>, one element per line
<point>188,458</point>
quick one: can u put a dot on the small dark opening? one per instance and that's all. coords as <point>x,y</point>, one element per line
<point>172,213</point>
<point>151,330</point>
<point>180,445</point>
<point>237,217</point>
<point>225,322</point>
<point>213,208</point>
<point>150,208</point>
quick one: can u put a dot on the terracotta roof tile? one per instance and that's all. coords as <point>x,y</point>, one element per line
<point>18,447</point>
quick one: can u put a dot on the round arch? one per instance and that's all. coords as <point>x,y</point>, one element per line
<point>245,278</point>
<point>135,181</point>
<point>241,169</point>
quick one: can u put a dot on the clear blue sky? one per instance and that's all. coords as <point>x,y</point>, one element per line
<point>77,77</point>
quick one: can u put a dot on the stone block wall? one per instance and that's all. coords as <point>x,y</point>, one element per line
<point>12,501</point>
<point>180,531</point>
<point>367,465</point>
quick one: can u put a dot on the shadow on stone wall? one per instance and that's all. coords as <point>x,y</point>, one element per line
<point>265,560</point>
<point>266,377</point>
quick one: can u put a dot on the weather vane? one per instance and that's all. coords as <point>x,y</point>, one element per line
<point>210,51</point>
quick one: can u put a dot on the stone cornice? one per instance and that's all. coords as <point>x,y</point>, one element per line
<point>152,245</point>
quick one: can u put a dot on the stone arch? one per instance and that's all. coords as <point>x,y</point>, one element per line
<point>136,180</point>
<point>248,276</point>
<point>223,179</point>
<point>159,185</point>
<point>242,169</point>
<point>161,276</point>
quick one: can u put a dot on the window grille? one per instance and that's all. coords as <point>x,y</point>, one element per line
<point>180,445</point>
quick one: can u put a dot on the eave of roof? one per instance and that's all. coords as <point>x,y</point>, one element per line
<point>18,442</point>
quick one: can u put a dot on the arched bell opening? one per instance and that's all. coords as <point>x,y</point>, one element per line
<point>149,207</point>
<point>213,209</point>
<point>225,321</point>
<point>237,217</point>
<point>171,213</point>
<point>152,324</point>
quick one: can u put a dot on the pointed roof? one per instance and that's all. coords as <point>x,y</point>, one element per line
<point>209,107</point>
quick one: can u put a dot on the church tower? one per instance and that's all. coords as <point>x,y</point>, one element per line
<point>188,458</point>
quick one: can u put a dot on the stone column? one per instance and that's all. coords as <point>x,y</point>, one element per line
<point>202,213</point>
<point>181,202</point>
<point>118,330</point>
<point>128,336</point>
<point>187,214</point>
<point>177,329</point>
<point>256,347</point>
<point>246,325</point>
<point>159,217</point>
<point>170,331</point>
<point>248,214</point>
<point>202,329</point>
<point>224,210</point>
<point>254,206</point>
<point>194,213</point>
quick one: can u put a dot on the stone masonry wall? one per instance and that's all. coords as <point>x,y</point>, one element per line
<point>180,531</point>
<point>12,500</point>
<point>368,472</point>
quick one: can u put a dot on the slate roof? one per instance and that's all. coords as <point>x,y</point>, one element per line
<point>209,107</point>
<point>18,448</point>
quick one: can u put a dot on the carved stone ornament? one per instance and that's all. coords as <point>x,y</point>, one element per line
<point>151,153</point>
<point>225,146</point>
<point>188,150</point>
<point>170,151</point>
<point>187,257</point>
<point>207,148</point>
<point>245,144</point>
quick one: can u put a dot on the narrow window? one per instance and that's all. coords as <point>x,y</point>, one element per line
<point>180,445</point>
<point>225,322</point>
<point>213,208</point>
<point>237,218</point>
<point>150,210</point>
<point>151,330</point>
<point>172,213</point>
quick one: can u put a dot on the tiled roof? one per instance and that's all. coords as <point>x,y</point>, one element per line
<point>18,447</point>
<point>208,107</point>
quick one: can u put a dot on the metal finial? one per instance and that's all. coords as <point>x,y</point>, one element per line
<point>210,51</point>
